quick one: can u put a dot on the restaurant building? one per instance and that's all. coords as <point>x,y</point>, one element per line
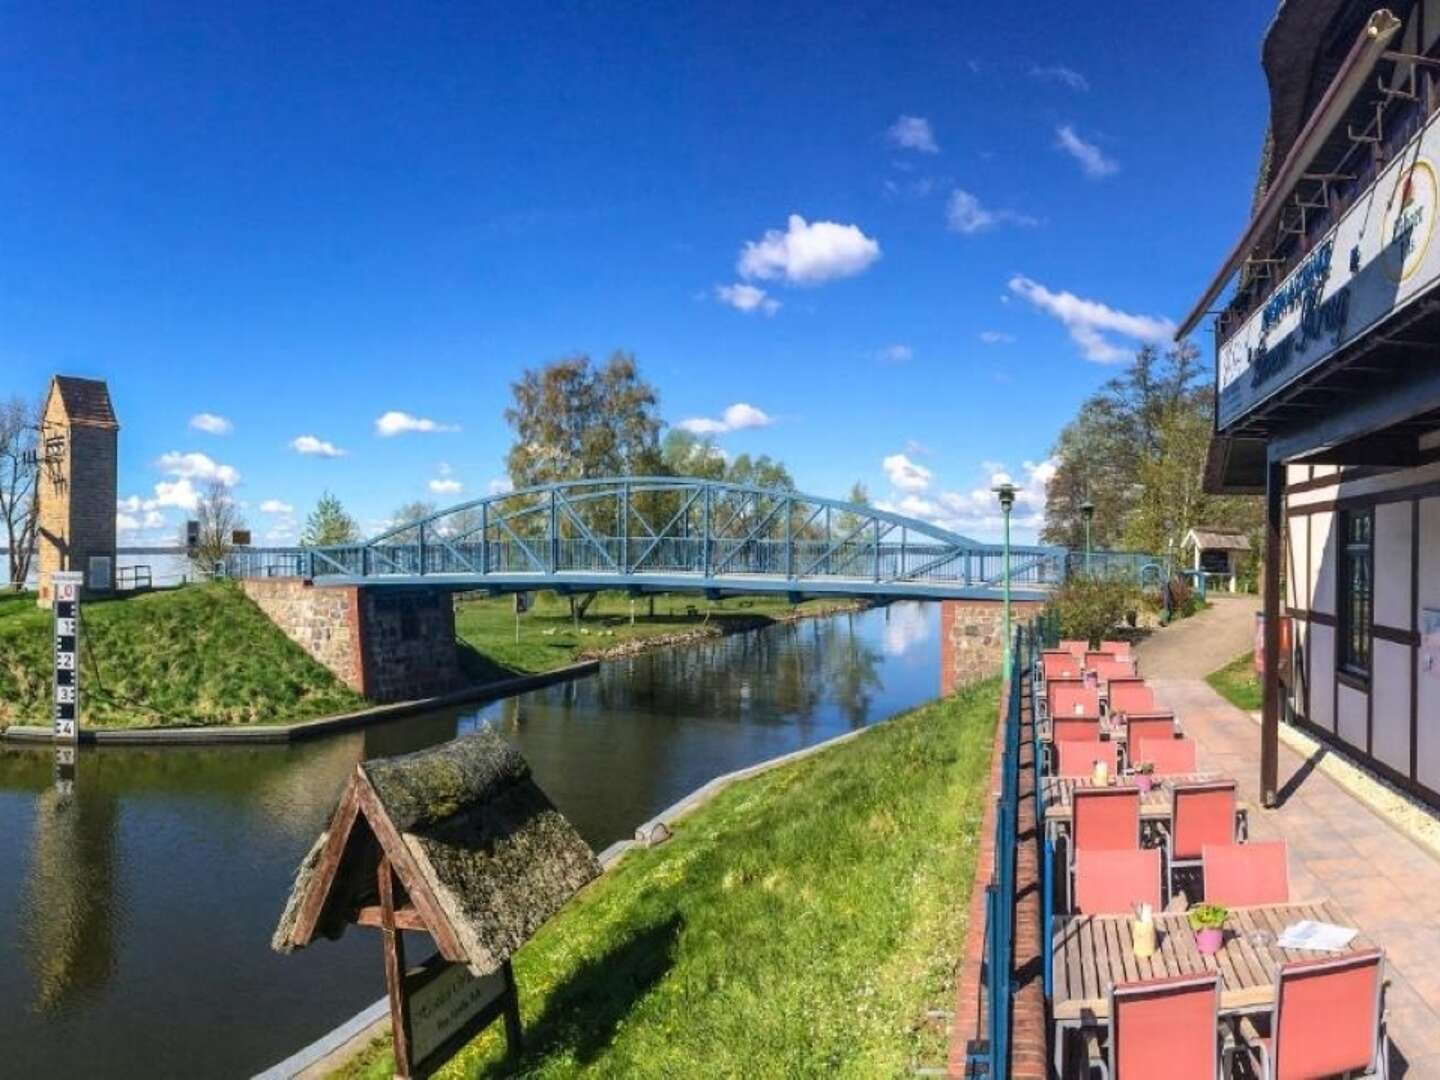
<point>1328,381</point>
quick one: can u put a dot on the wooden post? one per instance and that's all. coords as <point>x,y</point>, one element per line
<point>1270,714</point>
<point>394,968</point>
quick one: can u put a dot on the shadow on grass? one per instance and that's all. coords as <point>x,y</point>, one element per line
<point>582,1013</point>
<point>480,669</point>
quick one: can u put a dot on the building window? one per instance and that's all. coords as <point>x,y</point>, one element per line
<point>1357,589</point>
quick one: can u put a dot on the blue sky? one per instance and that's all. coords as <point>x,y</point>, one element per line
<point>300,218</point>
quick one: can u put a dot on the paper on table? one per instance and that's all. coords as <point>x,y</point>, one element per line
<point>1318,936</point>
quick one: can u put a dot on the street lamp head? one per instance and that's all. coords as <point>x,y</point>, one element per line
<point>1087,509</point>
<point>1006,494</point>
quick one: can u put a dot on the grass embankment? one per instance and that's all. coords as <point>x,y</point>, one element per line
<point>205,655</point>
<point>549,638</point>
<point>198,655</point>
<point>1237,683</point>
<point>801,924</point>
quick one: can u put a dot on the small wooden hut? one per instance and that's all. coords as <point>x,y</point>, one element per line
<point>459,842</point>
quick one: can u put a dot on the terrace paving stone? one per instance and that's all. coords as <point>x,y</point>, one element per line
<point>1340,846</point>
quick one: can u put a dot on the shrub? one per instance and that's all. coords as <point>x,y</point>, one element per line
<point>1091,607</point>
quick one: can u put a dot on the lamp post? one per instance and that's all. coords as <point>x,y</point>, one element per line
<point>1087,511</point>
<point>1006,494</point>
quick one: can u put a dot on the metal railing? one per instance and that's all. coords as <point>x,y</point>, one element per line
<point>990,1057</point>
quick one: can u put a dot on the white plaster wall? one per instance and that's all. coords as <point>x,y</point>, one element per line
<point>1350,705</point>
<point>1393,605</point>
<point>1322,562</point>
<point>1427,683</point>
<point>1298,644</point>
<point>1321,654</point>
<point>1390,683</point>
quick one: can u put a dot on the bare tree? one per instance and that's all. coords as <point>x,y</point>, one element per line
<point>18,473</point>
<point>219,517</point>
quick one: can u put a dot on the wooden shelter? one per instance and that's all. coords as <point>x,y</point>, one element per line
<point>1215,553</point>
<point>456,841</point>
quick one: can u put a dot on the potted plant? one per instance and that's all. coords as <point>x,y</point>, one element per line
<point>1208,922</point>
<point>1143,774</point>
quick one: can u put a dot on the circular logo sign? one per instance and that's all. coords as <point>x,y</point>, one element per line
<point>1410,220</point>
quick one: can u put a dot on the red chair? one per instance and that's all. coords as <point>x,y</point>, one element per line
<point>1118,649</point>
<point>1102,819</point>
<point>1106,667</point>
<point>1059,665</point>
<point>1130,696</point>
<point>1070,697</point>
<point>1063,684</point>
<point>1170,757</point>
<point>1076,649</point>
<point>1202,814</point>
<point>1328,1020</point>
<point>1114,882</point>
<point>1076,757</point>
<point>1165,1028</point>
<point>1237,875</point>
<point>1075,729</point>
<point>1142,726</point>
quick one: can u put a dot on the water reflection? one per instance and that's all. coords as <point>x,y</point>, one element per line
<point>140,894</point>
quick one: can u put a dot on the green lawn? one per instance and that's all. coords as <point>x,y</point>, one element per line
<point>1237,683</point>
<point>202,654</point>
<point>801,924</point>
<point>549,639</point>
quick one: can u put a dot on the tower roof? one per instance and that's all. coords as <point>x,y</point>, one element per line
<point>85,400</point>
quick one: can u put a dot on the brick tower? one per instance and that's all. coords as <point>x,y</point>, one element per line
<point>76,488</point>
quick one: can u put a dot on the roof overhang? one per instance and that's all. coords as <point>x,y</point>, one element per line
<point>1235,466</point>
<point>1369,46</point>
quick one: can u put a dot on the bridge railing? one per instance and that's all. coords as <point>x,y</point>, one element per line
<point>714,558</point>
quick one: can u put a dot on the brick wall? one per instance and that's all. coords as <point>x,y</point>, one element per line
<point>388,644</point>
<point>1029,1034</point>
<point>972,638</point>
<point>76,497</point>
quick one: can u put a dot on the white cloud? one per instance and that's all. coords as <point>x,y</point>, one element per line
<point>181,495</point>
<point>211,424</point>
<point>1061,74</point>
<point>1093,163</point>
<point>737,417</point>
<point>897,354</point>
<point>1089,320</point>
<point>126,523</point>
<point>907,475</point>
<point>913,133</point>
<point>395,422</point>
<point>446,486</point>
<point>310,445</point>
<point>282,532</point>
<point>964,213</point>
<point>153,520</point>
<point>197,466</point>
<point>996,337</point>
<point>977,511</point>
<point>501,485</point>
<point>808,253</point>
<point>747,298</point>
<point>275,506</point>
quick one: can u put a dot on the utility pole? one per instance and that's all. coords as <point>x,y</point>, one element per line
<point>1006,493</point>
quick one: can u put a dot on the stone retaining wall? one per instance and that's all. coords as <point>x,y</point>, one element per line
<point>387,644</point>
<point>972,638</point>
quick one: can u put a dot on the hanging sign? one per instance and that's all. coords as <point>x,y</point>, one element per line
<point>66,696</point>
<point>1375,260</point>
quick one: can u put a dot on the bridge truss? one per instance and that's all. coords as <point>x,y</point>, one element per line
<point>654,534</point>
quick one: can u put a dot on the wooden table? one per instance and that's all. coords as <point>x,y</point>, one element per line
<point>1093,952</point>
<point>1058,794</point>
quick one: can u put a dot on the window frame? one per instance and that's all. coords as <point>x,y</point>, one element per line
<point>1355,644</point>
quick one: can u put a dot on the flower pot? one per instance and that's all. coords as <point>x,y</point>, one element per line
<point>1209,940</point>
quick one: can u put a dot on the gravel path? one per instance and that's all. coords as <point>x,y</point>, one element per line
<point>1192,648</point>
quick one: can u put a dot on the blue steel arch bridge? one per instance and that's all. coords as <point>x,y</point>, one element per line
<point>682,534</point>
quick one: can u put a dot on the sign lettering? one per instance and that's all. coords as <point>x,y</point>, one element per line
<point>66,689</point>
<point>443,1006</point>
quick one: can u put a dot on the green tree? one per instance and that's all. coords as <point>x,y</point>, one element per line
<point>19,429</point>
<point>328,523</point>
<point>683,453</point>
<point>219,517</point>
<point>410,511</point>
<point>574,421</point>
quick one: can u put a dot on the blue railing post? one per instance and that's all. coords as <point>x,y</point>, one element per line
<point>1047,907</point>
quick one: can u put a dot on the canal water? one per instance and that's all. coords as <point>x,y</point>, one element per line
<point>136,911</point>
